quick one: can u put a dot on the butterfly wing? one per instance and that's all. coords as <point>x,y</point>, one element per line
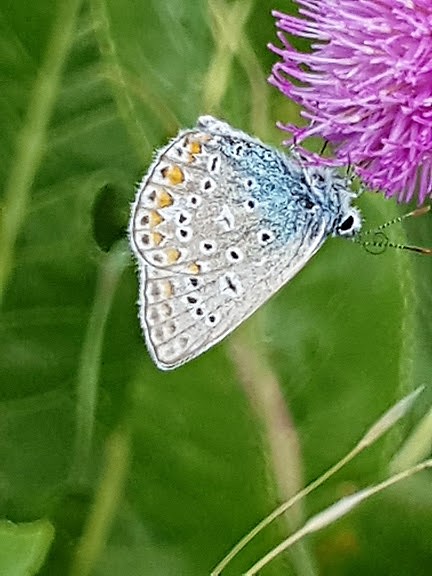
<point>218,227</point>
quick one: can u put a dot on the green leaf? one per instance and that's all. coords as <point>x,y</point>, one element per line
<point>23,547</point>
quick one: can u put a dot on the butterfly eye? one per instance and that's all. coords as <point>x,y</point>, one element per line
<point>347,224</point>
<point>350,224</point>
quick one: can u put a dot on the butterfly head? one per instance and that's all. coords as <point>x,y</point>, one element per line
<point>334,193</point>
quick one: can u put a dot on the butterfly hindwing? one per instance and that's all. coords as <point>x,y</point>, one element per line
<point>184,315</point>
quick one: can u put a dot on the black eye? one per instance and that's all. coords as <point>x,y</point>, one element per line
<point>347,224</point>
<point>308,204</point>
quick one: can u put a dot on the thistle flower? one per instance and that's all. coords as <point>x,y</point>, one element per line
<point>366,87</point>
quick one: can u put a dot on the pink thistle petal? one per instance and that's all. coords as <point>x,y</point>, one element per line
<point>366,87</point>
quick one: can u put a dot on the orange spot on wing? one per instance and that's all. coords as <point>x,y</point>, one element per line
<point>172,255</point>
<point>194,268</point>
<point>164,199</point>
<point>168,289</point>
<point>195,147</point>
<point>157,238</point>
<point>174,174</point>
<point>155,218</point>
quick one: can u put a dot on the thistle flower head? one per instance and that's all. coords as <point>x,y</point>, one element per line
<point>366,87</point>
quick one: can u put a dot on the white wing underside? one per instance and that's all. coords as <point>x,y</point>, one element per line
<point>202,269</point>
<point>173,339</point>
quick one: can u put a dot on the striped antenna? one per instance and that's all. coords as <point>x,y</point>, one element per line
<point>379,241</point>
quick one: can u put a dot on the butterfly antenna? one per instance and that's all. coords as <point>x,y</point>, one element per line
<point>380,242</point>
<point>377,245</point>
<point>380,245</point>
<point>413,214</point>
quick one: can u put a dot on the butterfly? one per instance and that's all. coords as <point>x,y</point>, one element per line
<point>219,224</point>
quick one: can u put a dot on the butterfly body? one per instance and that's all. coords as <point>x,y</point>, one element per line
<point>221,222</point>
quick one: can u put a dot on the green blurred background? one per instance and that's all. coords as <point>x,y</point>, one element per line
<point>121,468</point>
